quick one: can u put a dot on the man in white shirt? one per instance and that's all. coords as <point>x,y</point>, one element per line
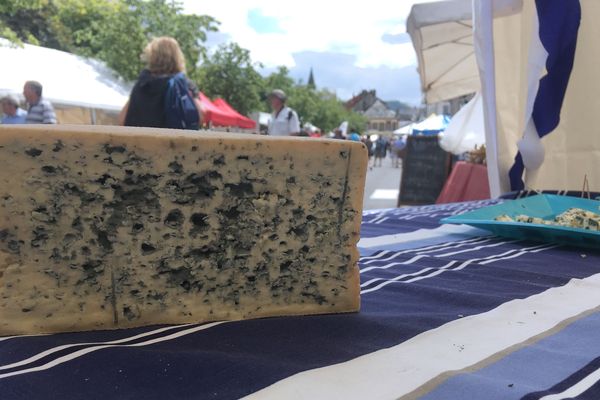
<point>284,120</point>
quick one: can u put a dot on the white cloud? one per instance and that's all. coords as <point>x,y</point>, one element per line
<point>350,27</point>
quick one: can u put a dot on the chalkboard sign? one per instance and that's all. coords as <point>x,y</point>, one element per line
<point>424,171</point>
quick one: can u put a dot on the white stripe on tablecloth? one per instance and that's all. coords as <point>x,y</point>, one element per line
<point>427,249</point>
<point>420,234</point>
<point>516,255</point>
<point>379,255</point>
<point>374,220</point>
<point>82,352</point>
<point>418,276</point>
<point>439,247</point>
<point>397,278</point>
<point>20,336</point>
<point>423,254</point>
<point>66,346</point>
<point>404,368</point>
<point>577,389</point>
<point>390,265</point>
<point>452,253</point>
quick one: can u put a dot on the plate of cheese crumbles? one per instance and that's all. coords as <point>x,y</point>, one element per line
<point>546,218</point>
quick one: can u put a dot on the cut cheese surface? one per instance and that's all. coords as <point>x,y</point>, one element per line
<point>104,227</point>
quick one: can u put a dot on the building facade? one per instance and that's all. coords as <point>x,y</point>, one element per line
<point>381,117</point>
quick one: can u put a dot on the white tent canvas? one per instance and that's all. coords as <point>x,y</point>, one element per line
<point>442,36</point>
<point>70,82</point>
<point>432,124</point>
<point>405,130</point>
<point>466,129</point>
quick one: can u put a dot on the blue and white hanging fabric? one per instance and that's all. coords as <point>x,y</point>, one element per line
<point>551,59</point>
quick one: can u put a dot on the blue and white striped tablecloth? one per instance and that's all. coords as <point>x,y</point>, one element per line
<point>448,312</point>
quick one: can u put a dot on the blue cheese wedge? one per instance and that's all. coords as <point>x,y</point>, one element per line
<point>104,228</point>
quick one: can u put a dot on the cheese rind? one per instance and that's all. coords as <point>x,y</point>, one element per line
<point>105,228</point>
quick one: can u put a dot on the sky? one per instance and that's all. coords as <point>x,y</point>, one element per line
<point>350,45</point>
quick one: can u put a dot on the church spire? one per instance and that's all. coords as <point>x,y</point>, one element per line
<point>311,80</point>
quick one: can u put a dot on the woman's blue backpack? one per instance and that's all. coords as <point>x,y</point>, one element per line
<point>180,109</point>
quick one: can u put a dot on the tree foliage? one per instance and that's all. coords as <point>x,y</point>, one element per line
<point>115,31</point>
<point>31,21</point>
<point>230,73</point>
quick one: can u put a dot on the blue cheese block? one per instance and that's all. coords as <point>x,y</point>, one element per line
<point>107,227</point>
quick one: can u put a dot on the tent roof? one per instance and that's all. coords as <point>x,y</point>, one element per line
<point>220,113</point>
<point>433,123</point>
<point>405,130</point>
<point>214,114</point>
<point>67,79</point>
<point>241,121</point>
<point>442,34</point>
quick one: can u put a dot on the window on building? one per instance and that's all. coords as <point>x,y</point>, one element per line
<point>381,126</point>
<point>388,126</point>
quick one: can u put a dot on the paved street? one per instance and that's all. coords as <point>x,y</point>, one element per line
<point>383,184</point>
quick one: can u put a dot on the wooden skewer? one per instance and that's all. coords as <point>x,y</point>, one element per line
<point>586,187</point>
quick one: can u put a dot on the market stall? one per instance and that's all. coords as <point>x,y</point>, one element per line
<point>219,113</point>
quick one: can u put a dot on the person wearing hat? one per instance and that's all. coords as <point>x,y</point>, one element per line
<point>13,114</point>
<point>284,120</point>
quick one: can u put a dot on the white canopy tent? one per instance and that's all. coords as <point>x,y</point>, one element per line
<point>431,125</point>
<point>442,34</point>
<point>405,130</point>
<point>466,129</point>
<point>82,90</point>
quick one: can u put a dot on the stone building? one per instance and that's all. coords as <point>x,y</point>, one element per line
<point>381,117</point>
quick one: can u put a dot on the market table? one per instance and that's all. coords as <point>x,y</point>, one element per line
<point>448,312</point>
<point>466,182</point>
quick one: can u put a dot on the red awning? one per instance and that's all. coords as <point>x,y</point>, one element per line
<point>219,113</point>
<point>214,115</point>
<point>242,121</point>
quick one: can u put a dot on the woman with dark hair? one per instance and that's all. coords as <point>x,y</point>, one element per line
<point>146,106</point>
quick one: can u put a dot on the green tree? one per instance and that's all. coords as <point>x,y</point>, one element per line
<point>115,31</point>
<point>280,79</point>
<point>356,122</point>
<point>166,18</point>
<point>31,21</point>
<point>230,73</point>
<point>306,102</point>
<point>331,112</point>
<point>311,80</point>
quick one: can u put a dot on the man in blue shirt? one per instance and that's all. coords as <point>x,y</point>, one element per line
<point>13,114</point>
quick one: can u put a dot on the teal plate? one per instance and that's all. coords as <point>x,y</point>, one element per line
<point>542,206</point>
